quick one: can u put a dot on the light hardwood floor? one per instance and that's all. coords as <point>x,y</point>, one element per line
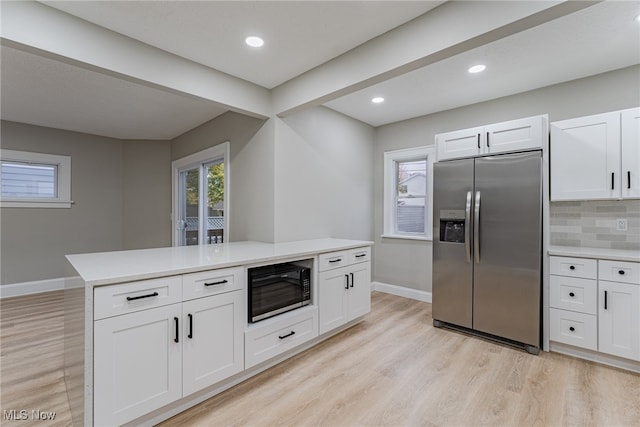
<point>392,369</point>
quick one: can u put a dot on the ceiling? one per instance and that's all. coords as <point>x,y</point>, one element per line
<point>300,35</point>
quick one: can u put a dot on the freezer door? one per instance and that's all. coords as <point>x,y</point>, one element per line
<point>507,264</point>
<point>452,283</point>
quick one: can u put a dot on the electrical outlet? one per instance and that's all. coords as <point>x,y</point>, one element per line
<point>621,224</point>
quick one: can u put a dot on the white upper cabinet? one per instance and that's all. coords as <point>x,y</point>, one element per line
<point>461,143</point>
<point>630,137</point>
<point>596,157</point>
<point>515,135</point>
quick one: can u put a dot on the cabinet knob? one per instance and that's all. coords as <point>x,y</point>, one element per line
<point>620,271</point>
<point>571,328</point>
<point>572,267</point>
<point>571,294</point>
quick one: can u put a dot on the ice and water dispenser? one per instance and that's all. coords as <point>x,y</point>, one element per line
<point>452,226</point>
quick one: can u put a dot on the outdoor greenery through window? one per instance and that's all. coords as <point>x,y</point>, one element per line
<point>200,199</point>
<point>407,193</point>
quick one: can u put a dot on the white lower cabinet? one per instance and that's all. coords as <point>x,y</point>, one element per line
<point>344,292</point>
<point>595,304</point>
<point>619,319</point>
<point>213,344</point>
<point>137,364</point>
<point>148,359</point>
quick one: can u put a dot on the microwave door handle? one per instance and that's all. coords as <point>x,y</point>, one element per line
<point>467,217</point>
<point>476,228</point>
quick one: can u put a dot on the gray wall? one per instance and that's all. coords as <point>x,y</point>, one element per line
<point>408,263</point>
<point>324,177</point>
<point>34,241</point>
<point>146,194</point>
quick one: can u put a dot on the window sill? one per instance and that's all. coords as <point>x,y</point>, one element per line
<point>40,204</point>
<point>401,236</point>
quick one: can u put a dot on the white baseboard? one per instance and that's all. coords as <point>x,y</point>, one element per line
<point>401,291</point>
<point>39,286</point>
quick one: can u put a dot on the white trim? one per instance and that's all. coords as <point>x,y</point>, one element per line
<point>390,158</point>
<point>401,291</point>
<point>406,237</point>
<point>218,151</point>
<point>63,180</point>
<point>39,286</point>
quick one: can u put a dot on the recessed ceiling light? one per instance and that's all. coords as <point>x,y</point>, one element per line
<point>377,100</point>
<point>638,18</point>
<point>477,68</point>
<point>254,41</point>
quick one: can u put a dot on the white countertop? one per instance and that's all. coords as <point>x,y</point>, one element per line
<point>596,253</point>
<point>106,268</point>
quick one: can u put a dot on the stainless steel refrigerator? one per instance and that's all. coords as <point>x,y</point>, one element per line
<point>487,261</point>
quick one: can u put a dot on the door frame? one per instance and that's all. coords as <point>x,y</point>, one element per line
<point>220,151</point>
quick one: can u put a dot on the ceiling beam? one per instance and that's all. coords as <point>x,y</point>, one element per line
<point>446,31</point>
<point>42,30</point>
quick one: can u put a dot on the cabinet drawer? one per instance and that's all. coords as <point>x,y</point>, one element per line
<point>571,293</point>
<point>212,282</point>
<point>619,271</point>
<point>577,329</point>
<point>360,255</point>
<point>333,260</point>
<point>287,331</point>
<point>573,267</point>
<point>129,297</point>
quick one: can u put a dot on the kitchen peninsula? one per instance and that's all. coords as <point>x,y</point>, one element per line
<point>150,333</point>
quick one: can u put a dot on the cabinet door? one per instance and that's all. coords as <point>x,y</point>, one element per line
<point>515,135</point>
<point>619,319</point>
<point>137,364</point>
<point>213,343</point>
<point>462,143</point>
<point>631,153</point>
<point>332,298</point>
<point>359,297</point>
<point>585,158</point>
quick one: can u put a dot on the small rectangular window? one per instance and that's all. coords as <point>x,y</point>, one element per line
<point>34,180</point>
<point>407,193</point>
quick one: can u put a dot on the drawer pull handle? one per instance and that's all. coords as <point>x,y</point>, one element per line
<point>572,267</point>
<point>190,336</point>
<point>571,328</point>
<point>221,282</point>
<point>571,294</point>
<point>620,271</point>
<point>361,255</point>
<point>155,294</point>
<point>331,261</point>
<point>286,336</point>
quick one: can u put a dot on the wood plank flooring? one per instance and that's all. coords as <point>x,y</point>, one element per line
<point>392,369</point>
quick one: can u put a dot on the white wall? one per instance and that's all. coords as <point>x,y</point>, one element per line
<point>408,263</point>
<point>323,176</point>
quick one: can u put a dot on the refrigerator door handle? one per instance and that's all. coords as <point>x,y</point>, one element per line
<point>467,218</point>
<point>476,228</point>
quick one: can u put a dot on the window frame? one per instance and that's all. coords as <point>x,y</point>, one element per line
<point>391,160</point>
<point>206,156</point>
<point>62,179</point>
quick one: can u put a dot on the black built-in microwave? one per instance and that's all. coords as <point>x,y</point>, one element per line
<point>278,288</point>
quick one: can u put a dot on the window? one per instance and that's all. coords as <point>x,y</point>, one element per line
<point>200,199</point>
<point>408,186</point>
<point>34,180</point>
